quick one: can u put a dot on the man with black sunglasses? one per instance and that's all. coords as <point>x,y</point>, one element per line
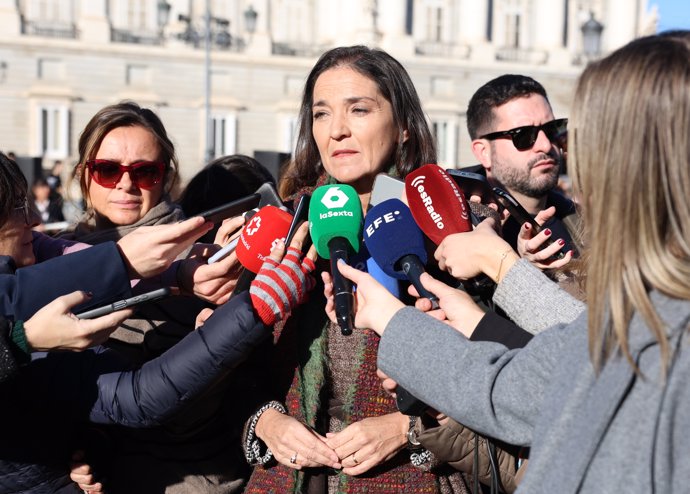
<point>521,148</point>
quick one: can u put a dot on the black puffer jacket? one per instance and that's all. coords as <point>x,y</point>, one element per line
<point>41,410</point>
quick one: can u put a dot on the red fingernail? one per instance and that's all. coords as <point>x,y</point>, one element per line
<point>527,226</point>
<point>547,232</point>
<point>561,242</point>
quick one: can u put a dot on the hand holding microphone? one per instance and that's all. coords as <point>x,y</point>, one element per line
<point>284,280</point>
<point>440,209</point>
<point>335,224</point>
<point>258,237</point>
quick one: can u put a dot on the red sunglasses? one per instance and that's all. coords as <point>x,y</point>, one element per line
<point>144,174</point>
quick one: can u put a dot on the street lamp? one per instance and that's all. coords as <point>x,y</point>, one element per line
<point>163,10</point>
<point>591,36</point>
<point>250,16</point>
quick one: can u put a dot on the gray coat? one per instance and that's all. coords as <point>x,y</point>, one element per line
<point>615,432</point>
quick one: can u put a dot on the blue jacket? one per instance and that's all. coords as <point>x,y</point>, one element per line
<point>99,270</point>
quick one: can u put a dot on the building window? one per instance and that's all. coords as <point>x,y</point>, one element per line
<point>434,20</point>
<point>511,17</point>
<point>135,14</point>
<point>135,21</point>
<point>53,131</point>
<point>512,30</point>
<point>224,134</point>
<point>48,18</point>
<point>289,134</point>
<point>445,135</point>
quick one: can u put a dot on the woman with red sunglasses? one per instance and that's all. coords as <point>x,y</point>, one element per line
<point>127,166</point>
<point>126,170</point>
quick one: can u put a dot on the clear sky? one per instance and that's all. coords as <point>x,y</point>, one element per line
<point>673,14</point>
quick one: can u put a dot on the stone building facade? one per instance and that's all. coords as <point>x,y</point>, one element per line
<point>62,60</point>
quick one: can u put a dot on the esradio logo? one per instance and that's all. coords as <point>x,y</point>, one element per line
<point>427,201</point>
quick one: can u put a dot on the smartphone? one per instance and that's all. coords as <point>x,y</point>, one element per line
<point>229,248</point>
<point>128,302</point>
<point>473,184</point>
<point>268,196</point>
<point>386,187</point>
<point>521,215</point>
<point>230,209</point>
<point>301,215</point>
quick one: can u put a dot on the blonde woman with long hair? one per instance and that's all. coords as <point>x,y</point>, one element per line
<point>603,400</point>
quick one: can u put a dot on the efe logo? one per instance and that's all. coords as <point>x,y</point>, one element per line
<point>334,198</point>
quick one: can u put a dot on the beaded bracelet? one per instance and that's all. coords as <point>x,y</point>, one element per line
<point>252,444</point>
<point>419,459</point>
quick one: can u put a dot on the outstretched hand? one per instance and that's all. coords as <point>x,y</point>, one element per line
<point>375,306</point>
<point>456,307</point>
<point>54,327</point>
<point>284,280</point>
<point>149,250</point>
<point>469,254</point>
<point>212,282</point>
<point>531,246</point>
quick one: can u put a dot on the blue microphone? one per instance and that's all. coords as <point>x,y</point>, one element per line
<point>396,243</point>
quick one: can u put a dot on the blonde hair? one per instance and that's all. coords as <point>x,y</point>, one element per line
<point>630,160</point>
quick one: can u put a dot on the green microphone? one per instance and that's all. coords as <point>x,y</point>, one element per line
<point>335,226</point>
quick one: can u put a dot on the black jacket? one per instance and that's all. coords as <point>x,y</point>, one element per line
<point>41,410</point>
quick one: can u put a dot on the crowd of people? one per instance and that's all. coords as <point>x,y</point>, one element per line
<point>568,377</point>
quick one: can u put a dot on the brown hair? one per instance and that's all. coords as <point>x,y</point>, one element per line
<point>395,85</point>
<point>125,114</point>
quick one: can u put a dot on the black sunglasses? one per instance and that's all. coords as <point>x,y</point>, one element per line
<point>524,137</point>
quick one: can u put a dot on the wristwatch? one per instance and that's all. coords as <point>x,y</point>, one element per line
<point>413,443</point>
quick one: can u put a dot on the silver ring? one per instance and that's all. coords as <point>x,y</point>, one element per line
<point>293,458</point>
<point>354,458</point>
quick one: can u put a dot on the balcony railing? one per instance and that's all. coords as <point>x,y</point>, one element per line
<point>135,37</point>
<point>434,48</point>
<point>298,49</point>
<point>50,29</point>
<point>521,55</point>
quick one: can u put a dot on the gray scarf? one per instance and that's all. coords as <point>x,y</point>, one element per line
<point>163,213</point>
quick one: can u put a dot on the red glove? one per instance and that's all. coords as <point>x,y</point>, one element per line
<point>280,287</point>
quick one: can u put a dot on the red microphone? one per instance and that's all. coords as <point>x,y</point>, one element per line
<point>437,203</point>
<point>440,209</point>
<point>260,235</point>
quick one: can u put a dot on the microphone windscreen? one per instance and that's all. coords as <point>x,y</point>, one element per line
<point>437,203</point>
<point>258,236</point>
<point>335,211</point>
<point>390,233</point>
<point>482,211</point>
